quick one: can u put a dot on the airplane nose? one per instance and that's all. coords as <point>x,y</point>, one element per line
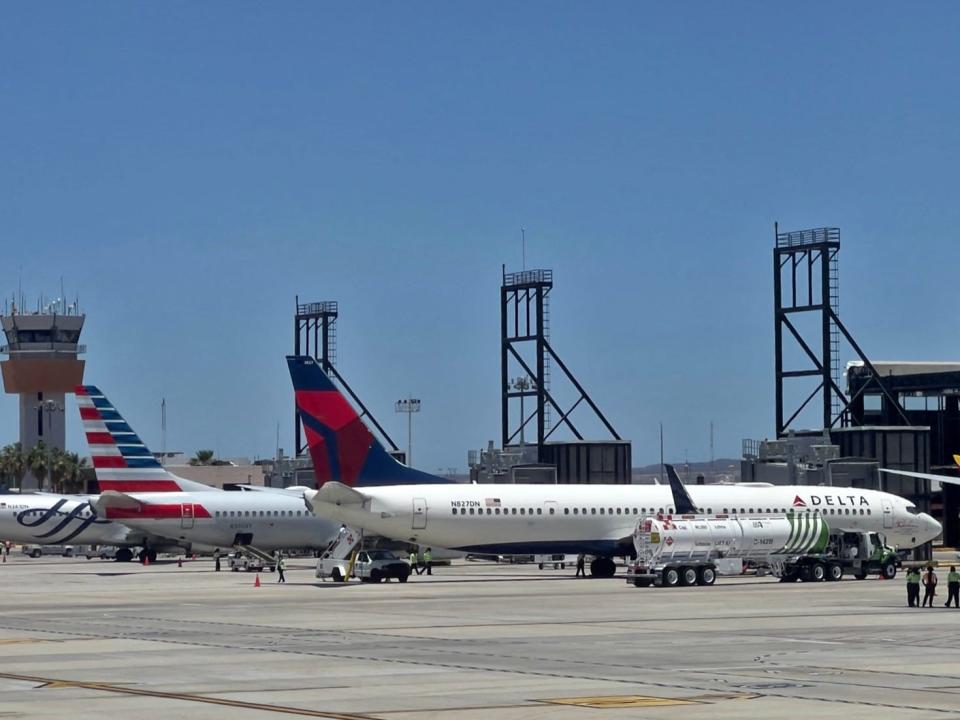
<point>931,528</point>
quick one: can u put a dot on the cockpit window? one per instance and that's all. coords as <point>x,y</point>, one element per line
<point>912,509</point>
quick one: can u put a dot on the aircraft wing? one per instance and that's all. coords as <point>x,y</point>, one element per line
<point>949,479</point>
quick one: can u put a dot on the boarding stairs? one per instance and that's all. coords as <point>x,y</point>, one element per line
<point>267,559</point>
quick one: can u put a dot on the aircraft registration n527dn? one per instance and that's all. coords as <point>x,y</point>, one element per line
<point>531,519</point>
<point>140,493</point>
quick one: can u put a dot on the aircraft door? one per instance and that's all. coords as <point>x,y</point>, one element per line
<point>419,514</point>
<point>887,514</point>
<point>186,515</point>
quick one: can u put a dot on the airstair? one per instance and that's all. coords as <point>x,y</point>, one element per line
<point>337,560</point>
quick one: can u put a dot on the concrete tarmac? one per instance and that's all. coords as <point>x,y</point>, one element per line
<point>100,639</point>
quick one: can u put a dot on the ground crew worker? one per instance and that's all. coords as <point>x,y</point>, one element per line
<point>913,587</point>
<point>930,586</point>
<point>414,564</point>
<point>428,561</point>
<point>281,566</point>
<point>216,560</point>
<point>953,587</point>
<point>581,560</point>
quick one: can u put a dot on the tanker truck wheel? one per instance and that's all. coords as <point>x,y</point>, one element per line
<point>671,577</point>
<point>834,572</point>
<point>688,576</point>
<point>817,572</point>
<point>708,576</point>
<point>889,570</point>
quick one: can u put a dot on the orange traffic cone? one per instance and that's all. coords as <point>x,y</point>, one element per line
<point>256,583</point>
<point>146,560</point>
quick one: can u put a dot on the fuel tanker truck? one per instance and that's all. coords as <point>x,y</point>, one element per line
<point>795,546</point>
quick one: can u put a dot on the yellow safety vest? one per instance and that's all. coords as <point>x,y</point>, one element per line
<point>953,577</point>
<point>427,557</point>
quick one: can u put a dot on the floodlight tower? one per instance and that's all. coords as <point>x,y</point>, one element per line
<point>409,406</point>
<point>42,366</point>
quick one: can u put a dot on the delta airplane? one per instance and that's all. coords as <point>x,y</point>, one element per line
<point>141,494</point>
<point>532,519</point>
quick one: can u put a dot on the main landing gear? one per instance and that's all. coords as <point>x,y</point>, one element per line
<point>124,555</point>
<point>603,568</point>
<point>147,554</point>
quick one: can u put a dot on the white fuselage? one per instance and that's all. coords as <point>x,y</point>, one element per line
<point>269,520</point>
<point>599,519</point>
<point>55,520</point>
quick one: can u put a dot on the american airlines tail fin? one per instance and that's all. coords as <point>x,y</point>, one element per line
<point>342,448</point>
<point>120,459</point>
<point>682,502</point>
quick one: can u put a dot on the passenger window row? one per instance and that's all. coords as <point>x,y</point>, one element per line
<point>553,511</point>
<point>645,511</point>
<point>262,513</point>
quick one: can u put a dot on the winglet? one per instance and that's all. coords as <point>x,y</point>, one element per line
<point>682,502</point>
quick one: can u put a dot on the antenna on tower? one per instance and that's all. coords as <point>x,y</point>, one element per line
<point>523,246</point>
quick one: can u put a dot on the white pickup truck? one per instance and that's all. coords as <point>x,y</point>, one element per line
<point>36,551</point>
<point>370,566</point>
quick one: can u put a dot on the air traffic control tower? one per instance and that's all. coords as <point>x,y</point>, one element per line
<point>41,366</point>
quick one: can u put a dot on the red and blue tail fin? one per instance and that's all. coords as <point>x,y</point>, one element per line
<point>121,460</point>
<point>341,446</point>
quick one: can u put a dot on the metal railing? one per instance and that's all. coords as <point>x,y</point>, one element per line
<point>528,277</point>
<point>814,236</point>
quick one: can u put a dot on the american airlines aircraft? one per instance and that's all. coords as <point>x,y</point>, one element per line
<point>141,494</point>
<point>530,519</point>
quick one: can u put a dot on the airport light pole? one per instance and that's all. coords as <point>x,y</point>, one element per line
<point>522,383</point>
<point>409,406</point>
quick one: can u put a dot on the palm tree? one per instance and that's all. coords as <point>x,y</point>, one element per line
<point>38,460</point>
<point>58,467</point>
<point>5,475</point>
<point>14,463</point>
<point>203,457</point>
<point>76,466</point>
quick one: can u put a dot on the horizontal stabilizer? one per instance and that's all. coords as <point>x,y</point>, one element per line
<point>114,499</point>
<point>949,479</point>
<point>334,493</point>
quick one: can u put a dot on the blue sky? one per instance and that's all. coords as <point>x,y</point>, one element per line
<point>189,168</point>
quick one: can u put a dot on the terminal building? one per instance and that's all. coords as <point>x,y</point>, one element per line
<point>42,365</point>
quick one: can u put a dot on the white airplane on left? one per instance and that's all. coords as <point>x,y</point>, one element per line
<point>48,519</point>
<point>143,505</point>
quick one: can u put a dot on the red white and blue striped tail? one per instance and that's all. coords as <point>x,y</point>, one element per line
<point>120,459</point>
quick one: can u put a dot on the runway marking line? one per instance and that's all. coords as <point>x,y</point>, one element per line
<point>24,641</point>
<point>240,704</point>
<point>620,701</point>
